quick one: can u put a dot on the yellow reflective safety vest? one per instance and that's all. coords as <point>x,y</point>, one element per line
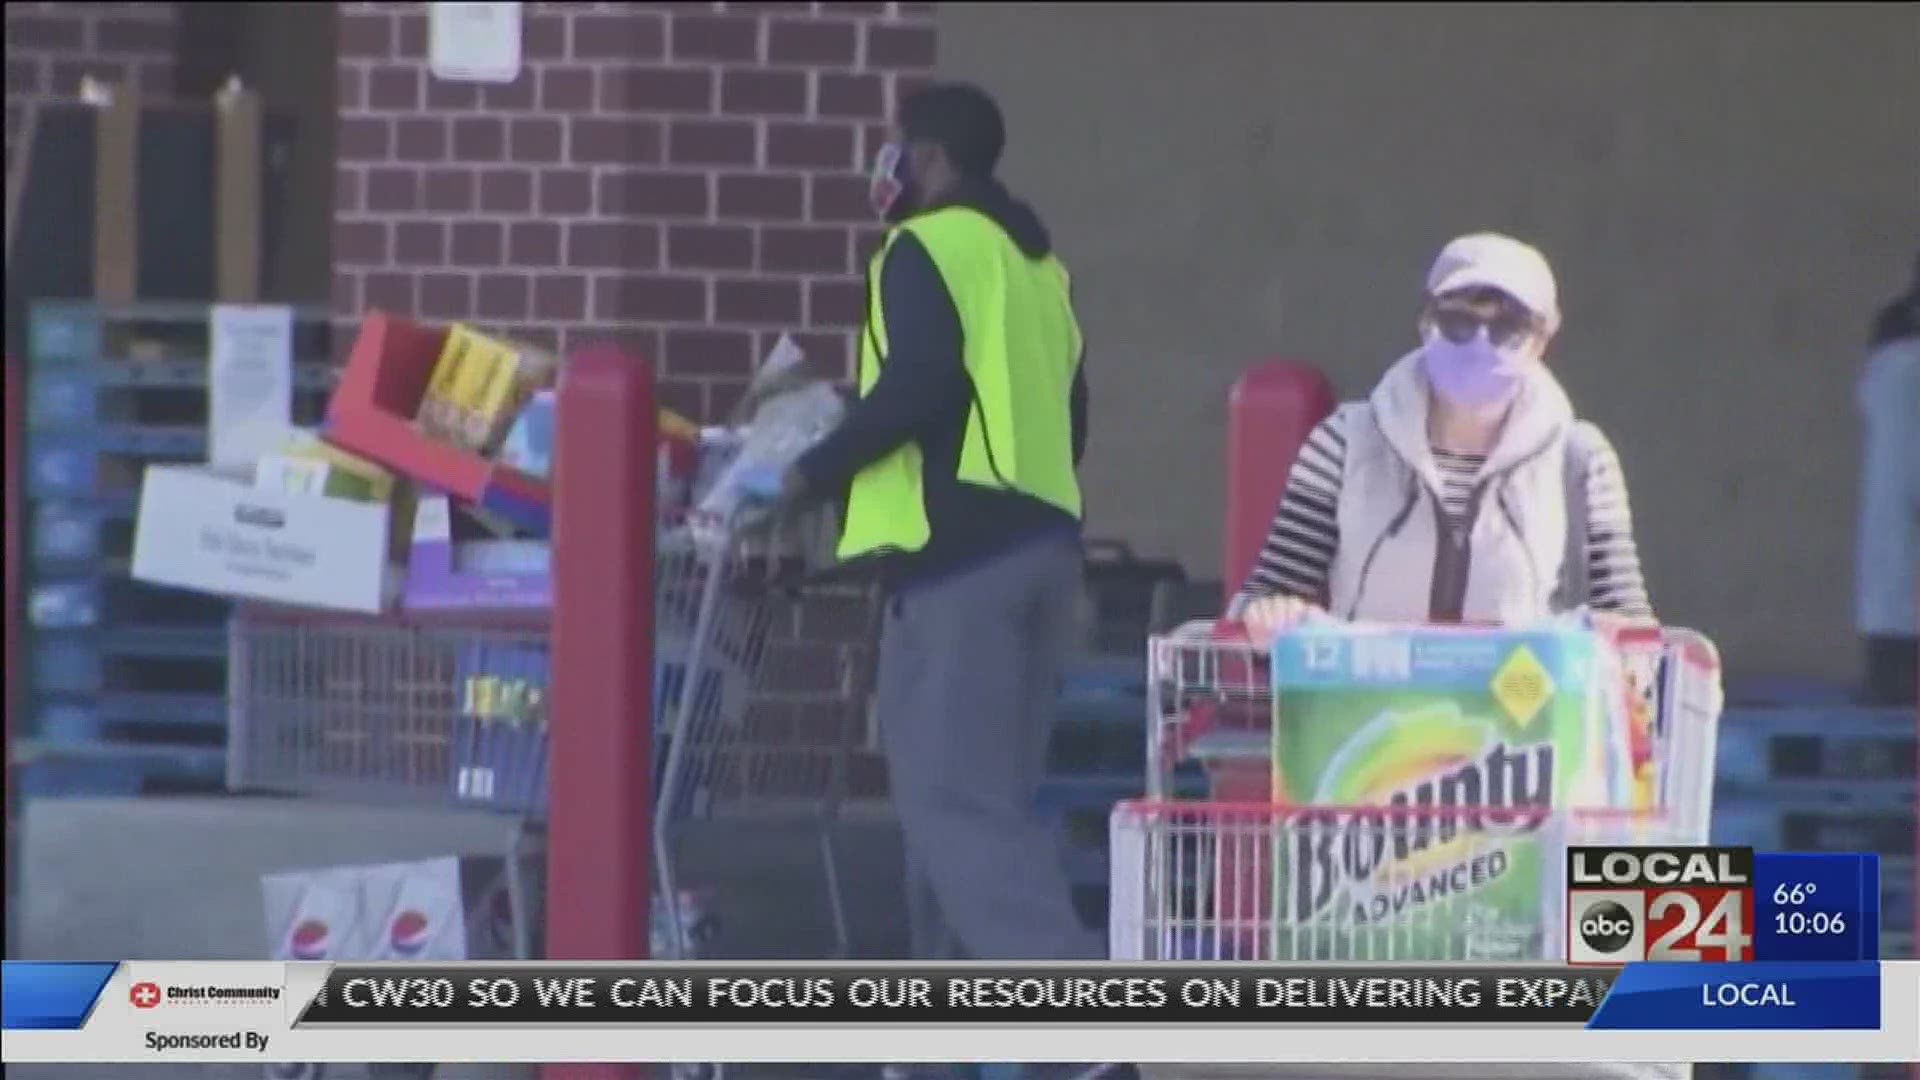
<point>1021,351</point>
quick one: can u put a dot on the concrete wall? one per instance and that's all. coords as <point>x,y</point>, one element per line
<point>1726,192</point>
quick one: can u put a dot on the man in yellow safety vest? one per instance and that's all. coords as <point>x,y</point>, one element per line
<point>958,462</point>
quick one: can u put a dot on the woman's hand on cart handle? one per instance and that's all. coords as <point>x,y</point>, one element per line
<point>1267,617</point>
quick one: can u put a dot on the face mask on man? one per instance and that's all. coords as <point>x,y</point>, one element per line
<point>892,191</point>
<point>1474,373</point>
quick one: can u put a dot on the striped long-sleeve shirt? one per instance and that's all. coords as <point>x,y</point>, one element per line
<point>1305,533</point>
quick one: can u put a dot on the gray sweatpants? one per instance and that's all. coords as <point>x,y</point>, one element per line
<point>969,676</point>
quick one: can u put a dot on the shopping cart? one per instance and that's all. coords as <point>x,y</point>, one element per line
<point>1243,877</point>
<point>451,711</point>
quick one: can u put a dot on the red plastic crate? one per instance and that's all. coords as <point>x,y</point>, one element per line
<point>372,415</point>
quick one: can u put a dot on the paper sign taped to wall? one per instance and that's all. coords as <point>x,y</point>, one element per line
<point>250,384</point>
<point>469,42</point>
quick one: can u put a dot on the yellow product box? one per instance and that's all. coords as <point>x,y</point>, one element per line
<point>309,466</point>
<point>499,401</point>
<point>480,360</point>
<point>358,474</point>
<point>515,380</point>
<point>436,405</point>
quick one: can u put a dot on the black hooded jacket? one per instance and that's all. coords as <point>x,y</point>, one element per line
<point>924,395</point>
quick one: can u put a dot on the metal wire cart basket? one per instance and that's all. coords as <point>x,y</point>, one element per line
<point>451,710</point>
<point>1241,876</point>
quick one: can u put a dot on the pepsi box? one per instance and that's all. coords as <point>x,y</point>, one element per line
<point>448,908</point>
<point>315,915</point>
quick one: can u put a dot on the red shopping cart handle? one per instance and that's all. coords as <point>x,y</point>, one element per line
<point>1229,631</point>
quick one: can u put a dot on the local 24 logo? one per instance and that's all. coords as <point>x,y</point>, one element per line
<point>1626,904</point>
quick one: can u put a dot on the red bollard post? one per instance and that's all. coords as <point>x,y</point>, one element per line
<point>1270,412</point>
<point>599,827</point>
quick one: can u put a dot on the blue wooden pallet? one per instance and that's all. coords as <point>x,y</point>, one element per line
<point>86,602</point>
<point>173,717</point>
<point>1083,746</point>
<point>69,536</point>
<point>127,658</point>
<point>81,331</point>
<point>1814,826</point>
<point>68,464</point>
<point>1087,866</point>
<point>113,769</point>
<point>70,395</point>
<point>1896,895</point>
<point>1061,795</point>
<point>1105,677</point>
<point>1847,752</point>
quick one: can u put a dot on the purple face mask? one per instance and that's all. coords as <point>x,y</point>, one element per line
<point>1474,373</point>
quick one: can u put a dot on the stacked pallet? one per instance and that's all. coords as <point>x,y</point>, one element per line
<point>1098,753</point>
<point>1809,770</point>
<point>1825,777</point>
<point>125,682</point>
<point>1097,758</point>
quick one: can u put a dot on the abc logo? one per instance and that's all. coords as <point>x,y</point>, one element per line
<point>1606,927</point>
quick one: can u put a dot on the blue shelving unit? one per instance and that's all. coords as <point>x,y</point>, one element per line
<point>125,683</point>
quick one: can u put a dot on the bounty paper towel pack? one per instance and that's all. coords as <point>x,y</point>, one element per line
<point>1435,723</point>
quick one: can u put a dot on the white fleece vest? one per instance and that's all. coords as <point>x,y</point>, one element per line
<point>1507,560</point>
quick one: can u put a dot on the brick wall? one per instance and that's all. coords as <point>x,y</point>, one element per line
<point>687,178</point>
<point>50,47</point>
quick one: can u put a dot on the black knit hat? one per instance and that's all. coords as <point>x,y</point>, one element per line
<point>963,119</point>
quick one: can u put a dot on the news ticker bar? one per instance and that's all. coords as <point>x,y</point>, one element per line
<point>480,1012</point>
<point>1637,997</point>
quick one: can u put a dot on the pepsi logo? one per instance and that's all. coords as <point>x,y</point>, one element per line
<point>408,933</point>
<point>309,940</point>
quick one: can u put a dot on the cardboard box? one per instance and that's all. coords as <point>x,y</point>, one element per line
<point>501,736</point>
<point>449,908</point>
<point>372,414</point>
<point>436,581</point>
<point>315,915</point>
<point>214,532</point>
<point>439,909</point>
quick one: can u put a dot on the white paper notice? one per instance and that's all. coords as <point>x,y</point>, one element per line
<point>249,383</point>
<point>469,42</point>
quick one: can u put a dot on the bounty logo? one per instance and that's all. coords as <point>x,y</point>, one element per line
<point>409,933</point>
<point>1454,781</point>
<point>309,940</point>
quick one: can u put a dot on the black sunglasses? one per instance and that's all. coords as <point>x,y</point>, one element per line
<point>1505,326</point>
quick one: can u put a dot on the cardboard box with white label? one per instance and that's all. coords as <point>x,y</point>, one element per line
<point>214,531</point>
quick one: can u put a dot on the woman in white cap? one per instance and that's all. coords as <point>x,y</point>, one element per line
<point>1464,488</point>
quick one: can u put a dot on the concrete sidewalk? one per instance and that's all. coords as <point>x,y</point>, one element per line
<point>178,879</point>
